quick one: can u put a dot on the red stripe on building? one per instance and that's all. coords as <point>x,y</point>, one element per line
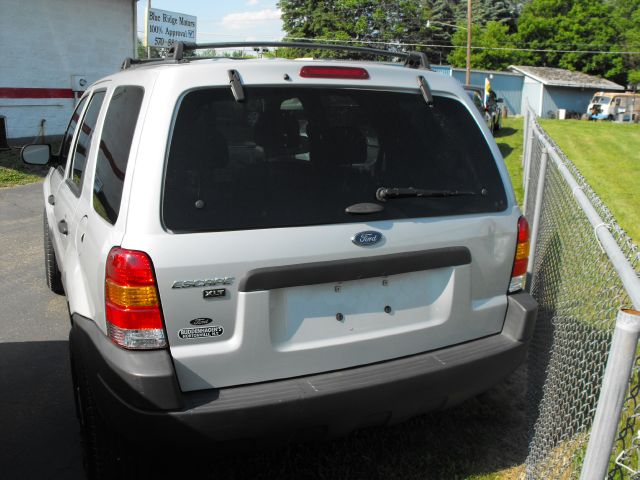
<point>35,92</point>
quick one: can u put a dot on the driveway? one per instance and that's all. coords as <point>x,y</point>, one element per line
<point>39,435</point>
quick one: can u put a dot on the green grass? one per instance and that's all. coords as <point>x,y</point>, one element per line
<point>14,172</point>
<point>608,156</point>
<point>509,140</point>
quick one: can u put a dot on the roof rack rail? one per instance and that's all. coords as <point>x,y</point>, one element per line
<point>176,52</point>
<point>412,59</point>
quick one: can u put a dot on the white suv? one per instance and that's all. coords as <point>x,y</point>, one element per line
<point>262,247</point>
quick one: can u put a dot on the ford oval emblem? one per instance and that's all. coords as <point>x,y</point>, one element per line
<point>367,239</point>
<point>200,321</point>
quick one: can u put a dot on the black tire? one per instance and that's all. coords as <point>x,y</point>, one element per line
<point>105,453</point>
<point>51,270</point>
<point>496,126</point>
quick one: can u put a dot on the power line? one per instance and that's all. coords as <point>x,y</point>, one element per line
<point>432,45</point>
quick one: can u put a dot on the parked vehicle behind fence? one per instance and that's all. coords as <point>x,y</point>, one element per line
<point>491,111</point>
<point>614,106</point>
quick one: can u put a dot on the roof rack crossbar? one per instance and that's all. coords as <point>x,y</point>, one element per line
<point>412,59</point>
<point>130,62</point>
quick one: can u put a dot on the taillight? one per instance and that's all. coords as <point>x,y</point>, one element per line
<point>352,73</point>
<point>132,305</point>
<point>519,271</point>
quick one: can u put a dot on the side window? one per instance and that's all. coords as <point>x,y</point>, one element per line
<point>68,135</point>
<point>84,138</point>
<point>113,153</point>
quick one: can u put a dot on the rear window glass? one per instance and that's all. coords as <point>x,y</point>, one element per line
<point>113,154</point>
<point>294,157</point>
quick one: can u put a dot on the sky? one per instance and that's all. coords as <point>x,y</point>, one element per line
<point>219,21</point>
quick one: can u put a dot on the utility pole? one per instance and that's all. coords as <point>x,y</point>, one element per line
<point>468,75</point>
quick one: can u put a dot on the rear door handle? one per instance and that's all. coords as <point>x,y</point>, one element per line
<point>62,227</point>
<point>51,200</point>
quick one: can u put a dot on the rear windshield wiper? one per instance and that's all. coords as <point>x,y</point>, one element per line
<point>385,193</point>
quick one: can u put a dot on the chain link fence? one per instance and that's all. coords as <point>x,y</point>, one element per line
<point>575,275</point>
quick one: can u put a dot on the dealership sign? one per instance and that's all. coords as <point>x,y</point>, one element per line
<point>163,28</point>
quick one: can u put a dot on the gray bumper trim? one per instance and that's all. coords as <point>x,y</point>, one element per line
<point>145,379</point>
<point>333,403</point>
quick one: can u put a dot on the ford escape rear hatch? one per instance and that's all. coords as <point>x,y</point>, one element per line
<point>326,228</point>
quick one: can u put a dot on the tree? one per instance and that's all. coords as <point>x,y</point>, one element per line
<point>495,37</point>
<point>366,21</point>
<point>626,17</point>
<point>484,11</point>
<point>633,78</point>
<point>401,21</point>
<point>441,27</point>
<point>560,27</point>
<point>155,52</point>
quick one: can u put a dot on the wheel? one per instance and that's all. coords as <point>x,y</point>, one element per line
<point>105,454</point>
<point>496,126</point>
<point>51,270</point>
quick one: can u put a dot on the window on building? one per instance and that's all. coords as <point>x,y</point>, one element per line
<point>84,138</point>
<point>113,153</point>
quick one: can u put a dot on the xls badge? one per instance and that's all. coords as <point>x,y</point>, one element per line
<point>200,332</point>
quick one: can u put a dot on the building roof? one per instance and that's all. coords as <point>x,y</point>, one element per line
<point>498,72</point>
<point>560,77</point>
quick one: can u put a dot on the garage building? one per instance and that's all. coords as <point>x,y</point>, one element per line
<point>548,90</point>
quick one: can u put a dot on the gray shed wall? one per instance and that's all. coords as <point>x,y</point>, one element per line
<point>531,94</point>
<point>507,86</point>
<point>571,99</point>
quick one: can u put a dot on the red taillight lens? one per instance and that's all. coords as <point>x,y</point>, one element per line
<point>352,73</point>
<point>129,267</point>
<point>132,306</point>
<point>521,260</point>
<point>523,230</point>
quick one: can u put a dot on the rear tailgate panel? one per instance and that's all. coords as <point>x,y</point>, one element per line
<point>293,330</point>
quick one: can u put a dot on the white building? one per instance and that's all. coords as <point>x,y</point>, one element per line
<point>52,50</point>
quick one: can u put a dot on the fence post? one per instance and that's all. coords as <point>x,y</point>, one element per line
<point>526,136</point>
<point>527,167</point>
<point>614,386</point>
<point>537,211</point>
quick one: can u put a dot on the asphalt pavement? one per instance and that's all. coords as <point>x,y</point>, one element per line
<point>39,434</point>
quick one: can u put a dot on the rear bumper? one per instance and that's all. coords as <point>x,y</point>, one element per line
<point>140,390</point>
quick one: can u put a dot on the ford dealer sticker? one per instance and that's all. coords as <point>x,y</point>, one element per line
<point>200,332</point>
